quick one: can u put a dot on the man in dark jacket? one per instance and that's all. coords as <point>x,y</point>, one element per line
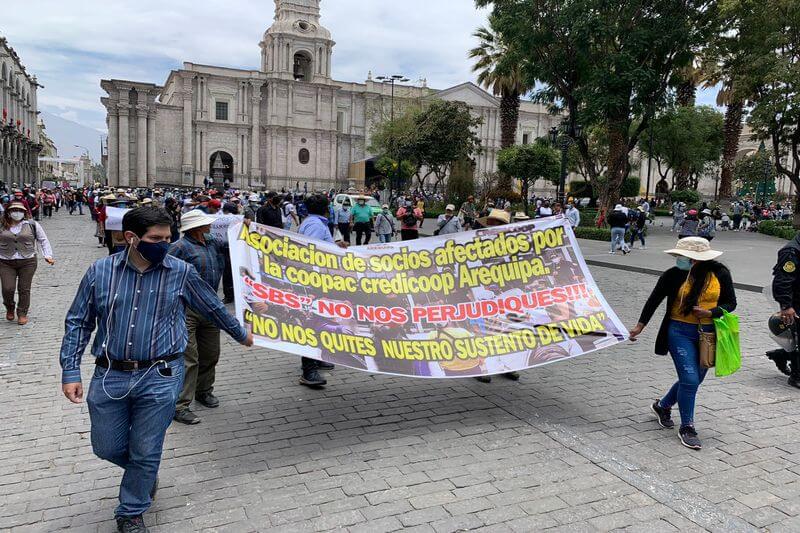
<point>270,213</point>
<point>618,220</point>
<point>786,291</point>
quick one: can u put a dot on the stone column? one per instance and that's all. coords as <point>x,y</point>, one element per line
<point>124,146</point>
<point>113,147</point>
<point>255,150</point>
<point>187,127</point>
<point>141,145</point>
<point>152,174</point>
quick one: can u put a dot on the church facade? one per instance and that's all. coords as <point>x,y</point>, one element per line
<point>285,123</point>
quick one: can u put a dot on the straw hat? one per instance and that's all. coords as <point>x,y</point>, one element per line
<point>520,216</point>
<point>504,217</point>
<point>109,198</point>
<point>147,201</point>
<point>706,211</point>
<point>195,219</point>
<point>18,206</point>
<point>696,248</point>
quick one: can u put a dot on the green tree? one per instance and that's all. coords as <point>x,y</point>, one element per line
<point>769,69</point>
<point>752,170</point>
<point>398,174</point>
<point>461,183</point>
<point>687,138</point>
<point>610,66</point>
<point>529,163</point>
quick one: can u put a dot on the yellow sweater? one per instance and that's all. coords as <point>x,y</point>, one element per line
<point>709,299</point>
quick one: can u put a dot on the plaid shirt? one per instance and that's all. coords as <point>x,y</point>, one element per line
<point>208,258</point>
<point>145,312</point>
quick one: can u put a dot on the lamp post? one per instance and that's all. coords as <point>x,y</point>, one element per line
<point>563,138</point>
<point>763,152</point>
<point>396,78</point>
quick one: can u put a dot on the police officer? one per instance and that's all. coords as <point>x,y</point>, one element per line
<point>786,291</point>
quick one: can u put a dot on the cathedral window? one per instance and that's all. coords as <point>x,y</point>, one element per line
<point>222,110</point>
<point>304,156</point>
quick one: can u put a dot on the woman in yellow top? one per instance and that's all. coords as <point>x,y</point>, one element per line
<point>697,290</point>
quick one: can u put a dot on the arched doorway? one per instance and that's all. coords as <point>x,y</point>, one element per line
<point>303,66</point>
<point>220,166</point>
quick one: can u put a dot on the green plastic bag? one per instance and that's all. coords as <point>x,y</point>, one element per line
<point>729,353</point>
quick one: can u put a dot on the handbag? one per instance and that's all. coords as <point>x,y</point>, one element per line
<point>708,349</point>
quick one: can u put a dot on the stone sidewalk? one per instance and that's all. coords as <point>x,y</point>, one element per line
<point>571,447</point>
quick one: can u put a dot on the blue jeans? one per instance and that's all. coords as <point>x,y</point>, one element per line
<point>385,238</point>
<point>684,348</point>
<point>617,237</point>
<point>130,432</point>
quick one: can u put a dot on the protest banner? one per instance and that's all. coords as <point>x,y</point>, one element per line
<point>467,304</point>
<point>221,224</point>
<point>114,218</point>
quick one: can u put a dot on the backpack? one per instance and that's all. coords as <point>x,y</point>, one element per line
<point>409,219</point>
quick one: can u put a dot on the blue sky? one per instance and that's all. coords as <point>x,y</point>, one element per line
<point>71,44</point>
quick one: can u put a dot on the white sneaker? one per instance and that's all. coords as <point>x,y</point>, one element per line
<point>612,253</point>
<point>644,247</point>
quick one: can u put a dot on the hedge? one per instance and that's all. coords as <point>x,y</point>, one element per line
<point>777,228</point>
<point>594,234</point>
<point>662,212</point>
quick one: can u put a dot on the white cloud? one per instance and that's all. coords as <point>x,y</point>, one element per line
<point>72,44</point>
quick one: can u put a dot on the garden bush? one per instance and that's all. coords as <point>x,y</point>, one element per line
<point>594,234</point>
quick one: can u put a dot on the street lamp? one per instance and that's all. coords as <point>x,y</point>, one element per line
<point>563,138</point>
<point>396,78</point>
<point>762,151</point>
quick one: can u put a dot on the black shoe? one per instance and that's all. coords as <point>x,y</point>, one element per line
<point>689,438</point>
<point>484,379</point>
<point>664,415</point>
<point>794,381</point>
<point>131,524</point>
<point>207,399</point>
<point>312,378</point>
<point>186,417</point>
<point>154,490</point>
<point>513,376</point>
<point>322,365</point>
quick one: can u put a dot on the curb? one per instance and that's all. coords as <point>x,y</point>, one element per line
<point>654,272</point>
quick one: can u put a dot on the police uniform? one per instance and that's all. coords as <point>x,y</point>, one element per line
<point>786,290</point>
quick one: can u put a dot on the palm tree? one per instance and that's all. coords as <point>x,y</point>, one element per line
<point>502,75</point>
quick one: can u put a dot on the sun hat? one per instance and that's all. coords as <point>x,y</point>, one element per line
<point>640,208</point>
<point>519,215</point>
<point>450,207</point>
<point>17,205</point>
<point>706,211</point>
<point>696,248</point>
<point>195,219</point>
<point>147,201</point>
<point>495,214</point>
<point>618,207</point>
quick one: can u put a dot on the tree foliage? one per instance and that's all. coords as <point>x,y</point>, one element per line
<point>687,138</point>
<point>752,170</point>
<point>529,163</point>
<point>461,184</point>
<point>606,65</point>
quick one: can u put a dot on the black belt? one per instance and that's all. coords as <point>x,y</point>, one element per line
<point>133,366</point>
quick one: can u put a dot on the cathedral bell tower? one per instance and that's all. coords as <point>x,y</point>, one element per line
<point>296,47</point>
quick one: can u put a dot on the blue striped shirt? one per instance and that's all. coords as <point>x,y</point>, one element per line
<point>145,312</point>
<point>207,258</point>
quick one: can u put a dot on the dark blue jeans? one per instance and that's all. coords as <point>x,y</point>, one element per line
<point>130,432</point>
<point>684,348</point>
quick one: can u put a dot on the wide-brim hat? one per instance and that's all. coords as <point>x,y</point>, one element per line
<point>109,198</point>
<point>19,206</point>
<point>504,217</point>
<point>519,215</point>
<point>706,211</point>
<point>195,219</point>
<point>696,248</point>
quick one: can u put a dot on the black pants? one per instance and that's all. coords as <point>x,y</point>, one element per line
<point>47,211</point>
<point>362,228</point>
<point>344,228</point>
<point>409,234</point>
<point>227,278</point>
<point>308,364</point>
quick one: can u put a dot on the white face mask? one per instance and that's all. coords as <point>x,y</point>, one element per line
<point>16,216</point>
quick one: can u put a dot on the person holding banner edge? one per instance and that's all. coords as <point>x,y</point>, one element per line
<point>139,367</point>
<point>698,289</point>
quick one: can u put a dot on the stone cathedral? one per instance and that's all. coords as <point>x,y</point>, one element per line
<point>285,123</point>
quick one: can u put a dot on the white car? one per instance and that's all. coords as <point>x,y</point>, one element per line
<point>374,204</point>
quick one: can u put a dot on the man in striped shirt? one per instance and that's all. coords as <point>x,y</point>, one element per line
<point>136,300</point>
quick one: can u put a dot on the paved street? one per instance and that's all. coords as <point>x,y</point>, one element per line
<point>571,447</point>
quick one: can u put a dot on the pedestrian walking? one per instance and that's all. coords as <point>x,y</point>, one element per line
<point>697,289</point>
<point>207,256</point>
<point>410,221</point>
<point>678,215</point>
<point>385,226</point>
<point>18,237</point>
<point>344,220</point>
<point>137,301</point>
<point>573,215</point>
<point>270,213</point>
<point>638,220</point>
<point>618,221</point>
<point>688,227</point>
<point>362,221</point>
<point>786,292</point>
<point>468,212</point>
<point>707,227</point>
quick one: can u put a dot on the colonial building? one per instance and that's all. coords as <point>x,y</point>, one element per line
<point>19,133</point>
<point>284,123</point>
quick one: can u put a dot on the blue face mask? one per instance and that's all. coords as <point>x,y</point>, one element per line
<point>153,252</point>
<point>684,263</point>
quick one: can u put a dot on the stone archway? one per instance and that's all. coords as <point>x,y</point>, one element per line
<point>220,168</point>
